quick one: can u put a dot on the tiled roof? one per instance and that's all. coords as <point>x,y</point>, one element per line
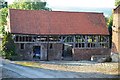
<point>56,22</point>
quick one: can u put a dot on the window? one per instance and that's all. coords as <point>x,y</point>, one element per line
<point>20,38</point>
<point>91,41</point>
<point>76,45</point>
<point>51,46</point>
<point>22,46</point>
<point>69,39</point>
<point>16,38</point>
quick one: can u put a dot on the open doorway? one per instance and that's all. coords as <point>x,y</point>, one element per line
<point>67,52</point>
<point>36,52</point>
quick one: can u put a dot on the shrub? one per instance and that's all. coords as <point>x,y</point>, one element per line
<point>8,46</point>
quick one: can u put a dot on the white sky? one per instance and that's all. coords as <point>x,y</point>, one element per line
<point>79,3</point>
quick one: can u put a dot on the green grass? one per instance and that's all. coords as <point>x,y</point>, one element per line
<point>29,64</point>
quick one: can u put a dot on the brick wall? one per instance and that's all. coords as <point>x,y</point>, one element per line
<point>116,31</point>
<point>27,54</point>
<point>56,52</point>
<point>24,54</point>
<point>85,54</point>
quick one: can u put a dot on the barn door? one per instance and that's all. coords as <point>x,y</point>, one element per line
<point>67,52</point>
<point>36,51</point>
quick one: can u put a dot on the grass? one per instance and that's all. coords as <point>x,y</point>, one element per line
<point>29,64</point>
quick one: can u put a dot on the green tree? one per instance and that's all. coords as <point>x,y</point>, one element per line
<point>3,15</point>
<point>110,21</point>
<point>3,20</point>
<point>29,5</point>
<point>8,46</point>
<point>117,2</point>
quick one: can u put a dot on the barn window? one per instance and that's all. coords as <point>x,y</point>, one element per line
<point>22,46</point>
<point>20,38</point>
<point>76,45</point>
<point>16,39</point>
<point>91,41</point>
<point>51,46</point>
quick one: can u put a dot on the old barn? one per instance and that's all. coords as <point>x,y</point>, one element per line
<point>57,35</point>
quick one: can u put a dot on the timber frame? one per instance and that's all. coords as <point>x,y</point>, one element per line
<point>77,41</point>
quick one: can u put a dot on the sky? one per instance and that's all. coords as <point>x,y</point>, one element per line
<point>104,6</point>
<point>81,3</point>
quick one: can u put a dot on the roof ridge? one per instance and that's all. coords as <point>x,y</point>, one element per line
<point>60,11</point>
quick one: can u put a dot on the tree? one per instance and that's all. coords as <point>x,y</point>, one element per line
<point>8,46</point>
<point>3,20</point>
<point>29,5</point>
<point>3,15</point>
<point>117,2</point>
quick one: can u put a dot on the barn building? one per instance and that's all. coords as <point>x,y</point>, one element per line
<point>58,35</point>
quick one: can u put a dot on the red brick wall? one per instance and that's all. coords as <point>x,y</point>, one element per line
<point>56,52</point>
<point>85,54</point>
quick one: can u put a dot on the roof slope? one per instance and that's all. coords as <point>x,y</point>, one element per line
<point>56,22</point>
<point>117,9</point>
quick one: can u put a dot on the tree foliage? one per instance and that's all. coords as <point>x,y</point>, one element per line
<point>117,2</point>
<point>8,46</point>
<point>110,21</point>
<point>3,19</point>
<point>29,5</point>
<point>3,16</point>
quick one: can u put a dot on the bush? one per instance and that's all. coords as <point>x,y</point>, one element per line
<point>8,46</point>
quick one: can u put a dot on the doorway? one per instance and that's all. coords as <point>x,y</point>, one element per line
<point>36,52</point>
<point>67,52</point>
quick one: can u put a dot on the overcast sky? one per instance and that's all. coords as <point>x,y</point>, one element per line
<point>79,3</point>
